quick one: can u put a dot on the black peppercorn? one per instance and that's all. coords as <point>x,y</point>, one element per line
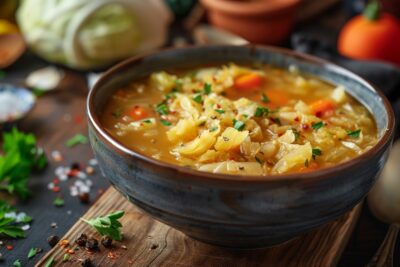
<point>75,166</point>
<point>53,240</point>
<point>87,263</point>
<point>106,241</point>
<point>81,241</point>
<point>92,244</point>
<point>84,197</point>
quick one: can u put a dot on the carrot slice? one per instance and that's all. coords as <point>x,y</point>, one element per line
<point>248,81</point>
<point>138,113</point>
<point>276,97</point>
<point>322,107</point>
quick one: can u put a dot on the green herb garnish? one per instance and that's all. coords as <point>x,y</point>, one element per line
<point>296,134</point>
<point>213,129</point>
<point>17,263</point>
<point>146,121</point>
<point>261,111</point>
<point>198,98</point>
<point>66,257</point>
<point>354,134</point>
<point>165,122</point>
<point>50,262</point>
<point>38,92</point>
<point>258,160</point>
<point>58,202</point>
<point>21,157</point>
<point>220,111</point>
<point>32,253</point>
<point>238,125</point>
<point>171,94</point>
<point>162,108</point>
<point>76,140</point>
<point>317,125</point>
<point>9,226</point>
<point>108,225</point>
<point>316,152</point>
<point>264,98</point>
<point>277,121</point>
<point>207,88</point>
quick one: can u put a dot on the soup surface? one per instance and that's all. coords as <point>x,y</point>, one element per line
<point>240,120</point>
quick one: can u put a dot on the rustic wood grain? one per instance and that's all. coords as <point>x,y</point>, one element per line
<point>151,243</point>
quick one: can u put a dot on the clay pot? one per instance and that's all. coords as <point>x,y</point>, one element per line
<point>263,21</point>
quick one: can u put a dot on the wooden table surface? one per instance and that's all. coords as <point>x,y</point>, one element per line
<point>49,121</point>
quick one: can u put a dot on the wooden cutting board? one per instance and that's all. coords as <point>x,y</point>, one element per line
<point>148,242</point>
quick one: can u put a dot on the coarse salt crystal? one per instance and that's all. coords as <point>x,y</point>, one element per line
<point>93,162</point>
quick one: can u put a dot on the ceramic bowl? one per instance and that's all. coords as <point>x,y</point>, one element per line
<point>263,21</point>
<point>229,210</point>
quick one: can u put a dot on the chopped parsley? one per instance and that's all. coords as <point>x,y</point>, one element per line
<point>277,121</point>
<point>146,121</point>
<point>162,108</point>
<point>261,111</point>
<point>198,98</point>
<point>220,111</point>
<point>207,88</point>
<point>296,134</point>
<point>264,98</point>
<point>32,253</point>
<point>354,134</point>
<point>171,94</point>
<point>258,160</point>
<point>76,140</point>
<point>165,123</point>
<point>213,129</point>
<point>238,125</point>
<point>316,152</point>
<point>317,125</point>
<point>58,202</point>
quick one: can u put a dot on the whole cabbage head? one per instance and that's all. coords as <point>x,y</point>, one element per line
<point>89,34</point>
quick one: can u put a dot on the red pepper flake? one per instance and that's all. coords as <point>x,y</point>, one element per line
<point>64,243</point>
<point>56,181</point>
<point>70,251</point>
<point>296,119</point>
<point>218,106</point>
<point>111,255</point>
<point>56,189</point>
<point>305,126</point>
<point>72,173</point>
<point>9,247</point>
<point>78,119</point>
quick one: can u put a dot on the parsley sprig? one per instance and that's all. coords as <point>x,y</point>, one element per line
<point>108,224</point>
<point>9,225</point>
<point>21,157</point>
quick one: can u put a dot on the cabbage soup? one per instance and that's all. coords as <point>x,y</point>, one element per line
<point>241,120</point>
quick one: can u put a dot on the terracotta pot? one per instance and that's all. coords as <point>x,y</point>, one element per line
<point>263,21</point>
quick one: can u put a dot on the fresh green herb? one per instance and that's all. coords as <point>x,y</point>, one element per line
<point>198,98</point>
<point>76,140</point>
<point>50,262</point>
<point>220,111</point>
<point>21,157</point>
<point>306,163</point>
<point>38,91</point>
<point>17,263</point>
<point>146,121</point>
<point>277,121</point>
<point>117,113</point>
<point>10,226</point>
<point>261,111</point>
<point>165,122</point>
<point>171,94</point>
<point>178,85</point>
<point>207,88</point>
<point>66,257</point>
<point>213,129</point>
<point>32,253</point>
<point>354,134</point>
<point>264,98</point>
<point>238,125</point>
<point>108,225</point>
<point>2,74</point>
<point>296,134</point>
<point>316,152</point>
<point>58,202</point>
<point>258,160</point>
<point>162,108</point>
<point>317,125</point>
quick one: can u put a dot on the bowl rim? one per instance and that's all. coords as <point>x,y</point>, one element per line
<point>386,137</point>
<point>251,8</point>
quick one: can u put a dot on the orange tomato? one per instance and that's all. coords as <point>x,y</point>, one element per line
<point>371,36</point>
<point>138,113</point>
<point>248,81</point>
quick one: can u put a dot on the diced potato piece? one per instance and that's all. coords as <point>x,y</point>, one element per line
<point>293,159</point>
<point>233,167</point>
<point>352,146</point>
<point>250,149</point>
<point>288,117</point>
<point>288,137</point>
<point>199,145</point>
<point>254,130</point>
<point>186,107</point>
<point>184,130</point>
<point>337,132</point>
<point>302,108</point>
<point>163,81</point>
<point>339,94</point>
<point>230,139</point>
<point>245,106</point>
<point>269,149</point>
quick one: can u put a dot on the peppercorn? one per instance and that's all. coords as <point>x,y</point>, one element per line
<point>87,263</point>
<point>75,166</point>
<point>84,197</point>
<point>81,241</point>
<point>106,241</point>
<point>92,244</point>
<point>53,240</point>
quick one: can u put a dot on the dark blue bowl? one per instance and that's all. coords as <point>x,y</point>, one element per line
<point>229,210</point>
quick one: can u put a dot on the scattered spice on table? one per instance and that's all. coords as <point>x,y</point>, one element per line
<point>17,263</point>
<point>81,240</point>
<point>108,224</point>
<point>66,257</point>
<point>92,244</point>
<point>32,253</point>
<point>58,202</point>
<point>76,140</point>
<point>12,222</point>
<point>106,241</point>
<point>57,156</point>
<point>53,240</point>
<point>87,263</point>
<point>50,262</point>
